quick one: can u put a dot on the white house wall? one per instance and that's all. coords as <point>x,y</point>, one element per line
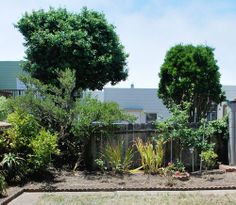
<point>144,100</point>
<point>230,93</point>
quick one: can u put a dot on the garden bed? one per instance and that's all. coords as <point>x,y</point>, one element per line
<point>79,181</point>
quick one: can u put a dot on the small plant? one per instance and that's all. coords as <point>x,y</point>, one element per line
<point>170,169</point>
<point>113,155</point>
<point>179,166</point>
<point>151,156</point>
<point>209,158</point>
<point>13,165</point>
<point>170,181</point>
<point>176,170</point>
<point>101,165</point>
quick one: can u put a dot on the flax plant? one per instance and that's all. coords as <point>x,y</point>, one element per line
<point>118,161</point>
<point>151,156</point>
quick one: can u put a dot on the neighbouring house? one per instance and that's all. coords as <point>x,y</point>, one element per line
<point>141,102</point>
<point>9,78</point>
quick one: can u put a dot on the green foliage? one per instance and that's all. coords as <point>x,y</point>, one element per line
<point>44,145</point>
<point>101,164</point>
<point>29,146</point>
<point>3,184</point>
<point>190,74</point>
<point>179,166</point>
<point>53,108</point>
<point>209,157</point>
<point>174,168</point>
<point>219,128</point>
<point>151,157</point>
<point>3,108</point>
<point>211,132</point>
<point>177,127</point>
<point>13,166</point>
<point>118,161</point>
<point>72,118</point>
<point>84,42</point>
<point>95,116</point>
<point>24,128</point>
<point>199,136</point>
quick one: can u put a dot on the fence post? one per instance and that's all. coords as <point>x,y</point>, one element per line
<point>232,132</point>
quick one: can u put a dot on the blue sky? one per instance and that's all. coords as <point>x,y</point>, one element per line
<point>147,29</point>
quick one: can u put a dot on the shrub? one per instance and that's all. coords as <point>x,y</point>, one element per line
<point>151,156</point>
<point>43,146</point>
<point>209,158</point>
<point>13,166</point>
<point>31,142</point>
<point>90,111</point>
<point>24,129</point>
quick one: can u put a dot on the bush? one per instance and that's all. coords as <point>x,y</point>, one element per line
<point>13,166</point>
<point>95,116</point>
<point>24,129</point>
<point>29,146</point>
<point>44,145</point>
<point>209,158</point>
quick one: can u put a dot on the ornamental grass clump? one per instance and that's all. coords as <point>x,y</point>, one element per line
<point>151,156</point>
<point>117,160</point>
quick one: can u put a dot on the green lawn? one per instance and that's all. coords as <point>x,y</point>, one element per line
<point>133,198</point>
<point>128,198</point>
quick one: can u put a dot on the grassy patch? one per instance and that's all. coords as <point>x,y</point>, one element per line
<point>121,198</point>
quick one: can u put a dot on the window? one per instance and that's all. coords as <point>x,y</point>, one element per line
<point>151,117</point>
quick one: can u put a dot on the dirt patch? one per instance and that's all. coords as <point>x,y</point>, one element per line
<point>81,180</point>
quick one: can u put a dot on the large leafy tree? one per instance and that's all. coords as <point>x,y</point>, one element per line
<point>84,42</point>
<point>190,74</point>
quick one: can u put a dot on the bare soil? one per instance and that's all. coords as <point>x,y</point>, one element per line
<point>69,180</point>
